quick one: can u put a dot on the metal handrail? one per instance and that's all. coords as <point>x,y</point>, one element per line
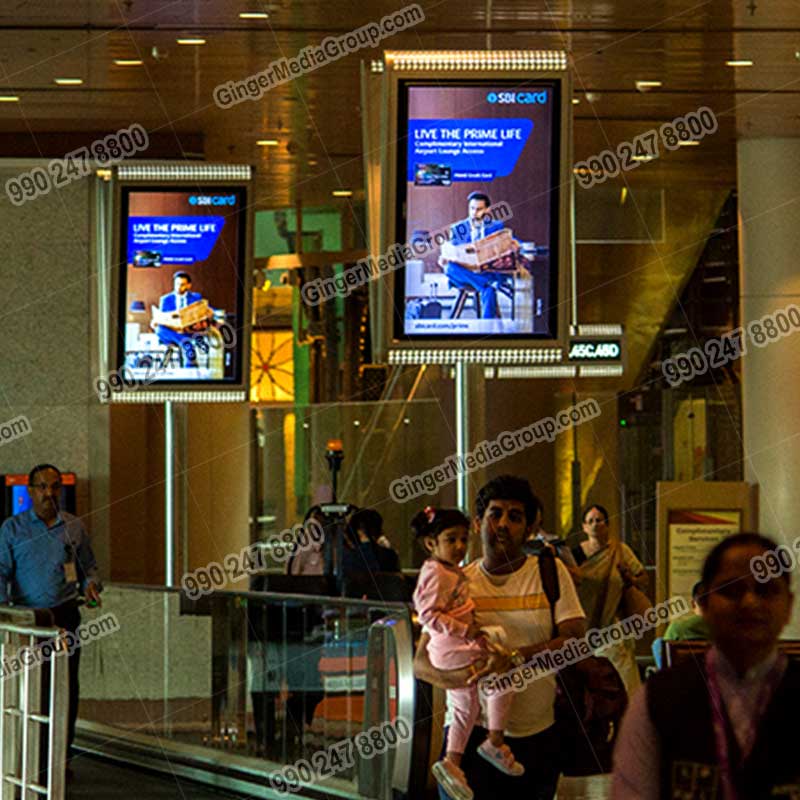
<point>311,599</point>
<point>21,719</point>
<point>389,638</point>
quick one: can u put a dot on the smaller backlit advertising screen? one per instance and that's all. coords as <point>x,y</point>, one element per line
<point>478,211</point>
<point>182,284</point>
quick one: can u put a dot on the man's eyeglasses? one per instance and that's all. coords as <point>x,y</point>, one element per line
<point>43,487</point>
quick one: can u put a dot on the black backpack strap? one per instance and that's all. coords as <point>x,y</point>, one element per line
<point>578,555</point>
<point>550,584</point>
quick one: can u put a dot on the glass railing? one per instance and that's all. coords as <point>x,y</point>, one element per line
<point>255,688</point>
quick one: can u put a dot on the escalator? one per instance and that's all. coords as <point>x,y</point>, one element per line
<point>225,695</point>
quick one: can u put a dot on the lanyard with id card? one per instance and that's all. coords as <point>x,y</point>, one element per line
<point>70,569</point>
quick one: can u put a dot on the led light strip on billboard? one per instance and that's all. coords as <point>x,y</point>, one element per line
<point>470,60</point>
<point>560,371</point>
<point>596,329</point>
<point>527,355</point>
<point>600,370</point>
<point>199,396</point>
<point>184,172</point>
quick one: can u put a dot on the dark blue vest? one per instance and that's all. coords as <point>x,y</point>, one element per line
<point>680,709</point>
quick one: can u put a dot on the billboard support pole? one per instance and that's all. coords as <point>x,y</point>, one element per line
<point>462,431</point>
<point>169,493</point>
<point>573,259</point>
<point>576,476</point>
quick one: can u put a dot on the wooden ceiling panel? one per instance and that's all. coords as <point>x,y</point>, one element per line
<point>317,117</point>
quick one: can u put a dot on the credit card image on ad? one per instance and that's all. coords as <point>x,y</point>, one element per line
<point>181,295</point>
<point>481,198</point>
<point>432,175</point>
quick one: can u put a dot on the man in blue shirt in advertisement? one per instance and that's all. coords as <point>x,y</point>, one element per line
<point>46,561</point>
<point>466,231</point>
<point>181,297</point>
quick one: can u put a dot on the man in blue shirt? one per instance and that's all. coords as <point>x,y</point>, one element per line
<point>476,226</point>
<point>181,297</point>
<point>46,560</point>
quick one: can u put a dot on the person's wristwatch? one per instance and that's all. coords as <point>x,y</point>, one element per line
<point>517,659</point>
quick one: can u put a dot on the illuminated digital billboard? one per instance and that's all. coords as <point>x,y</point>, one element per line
<point>181,287</point>
<point>478,174</point>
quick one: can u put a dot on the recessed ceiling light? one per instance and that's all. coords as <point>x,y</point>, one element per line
<point>253,15</point>
<point>739,62</point>
<point>642,158</point>
<point>128,62</point>
<point>689,143</point>
<point>9,98</point>
<point>645,86</point>
<point>69,81</point>
<point>191,41</point>
<point>575,101</point>
<point>342,193</point>
<point>267,142</point>
<point>312,162</point>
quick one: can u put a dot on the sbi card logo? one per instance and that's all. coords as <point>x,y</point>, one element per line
<point>524,98</point>
<point>212,200</point>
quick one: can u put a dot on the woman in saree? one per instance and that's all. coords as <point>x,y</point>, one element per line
<point>608,568</point>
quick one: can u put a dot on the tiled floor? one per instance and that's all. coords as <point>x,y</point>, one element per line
<point>97,780</point>
<point>597,787</point>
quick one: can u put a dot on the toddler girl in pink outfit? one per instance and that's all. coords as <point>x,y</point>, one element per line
<point>446,610</point>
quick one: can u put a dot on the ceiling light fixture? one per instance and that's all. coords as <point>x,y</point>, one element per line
<point>191,41</point>
<point>9,98</point>
<point>267,142</point>
<point>689,143</point>
<point>128,62</point>
<point>342,193</point>
<point>575,101</point>
<point>739,62</point>
<point>643,159</point>
<point>646,86</point>
<point>253,15</point>
<point>69,81</point>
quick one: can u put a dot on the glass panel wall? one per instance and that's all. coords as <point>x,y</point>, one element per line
<point>382,441</point>
<point>249,681</point>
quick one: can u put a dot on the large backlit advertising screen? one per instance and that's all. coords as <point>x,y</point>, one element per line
<point>478,167</point>
<point>182,284</point>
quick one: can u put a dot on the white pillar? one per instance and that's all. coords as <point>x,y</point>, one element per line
<point>769,231</point>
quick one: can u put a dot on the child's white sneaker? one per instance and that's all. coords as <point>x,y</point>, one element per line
<point>502,758</point>
<point>452,779</point>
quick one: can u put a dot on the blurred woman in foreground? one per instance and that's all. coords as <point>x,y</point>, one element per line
<point>719,725</point>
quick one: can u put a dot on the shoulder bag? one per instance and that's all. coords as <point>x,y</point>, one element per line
<point>590,699</point>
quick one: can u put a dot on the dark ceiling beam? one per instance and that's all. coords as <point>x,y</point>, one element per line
<point>424,31</point>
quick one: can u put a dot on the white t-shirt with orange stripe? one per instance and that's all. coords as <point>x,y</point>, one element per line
<point>518,604</point>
